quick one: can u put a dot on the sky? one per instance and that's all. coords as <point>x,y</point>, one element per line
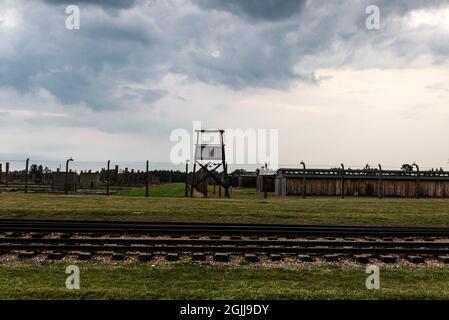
<point>136,70</point>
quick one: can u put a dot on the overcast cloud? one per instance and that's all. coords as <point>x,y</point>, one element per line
<point>138,69</point>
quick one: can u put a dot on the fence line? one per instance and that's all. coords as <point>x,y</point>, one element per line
<point>98,165</point>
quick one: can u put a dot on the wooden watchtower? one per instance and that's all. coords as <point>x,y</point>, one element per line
<point>210,157</point>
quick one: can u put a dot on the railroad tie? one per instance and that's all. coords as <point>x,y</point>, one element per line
<point>118,257</point>
<point>415,259</point>
<point>55,255</point>
<point>221,257</point>
<point>362,258</point>
<point>26,254</point>
<point>84,255</point>
<point>332,257</point>
<point>198,256</point>
<point>250,257</point>
<point>276,257</point>
<point>172,257</point>
<point>305,258</point>
<point>144,257</point>
<point>386,258</point>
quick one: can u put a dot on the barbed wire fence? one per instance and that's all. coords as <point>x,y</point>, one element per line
<point>23,174</point>
<point>81,165</point>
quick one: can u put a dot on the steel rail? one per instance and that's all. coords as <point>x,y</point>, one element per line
<point>211,228</point>
<point>226,249</point>
<point>222,242</point>
<point>278,232</point>
<point>201,224</point>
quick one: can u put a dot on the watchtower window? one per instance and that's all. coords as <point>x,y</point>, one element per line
<point>209,152</point>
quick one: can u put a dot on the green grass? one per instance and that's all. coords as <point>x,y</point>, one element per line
<point>244,206</point>
<point>187,281</point>
<point>162,190</point>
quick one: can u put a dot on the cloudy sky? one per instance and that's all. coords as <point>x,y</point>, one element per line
<point>138,69</point>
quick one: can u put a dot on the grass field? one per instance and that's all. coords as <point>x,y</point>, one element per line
<point>191,281</point>
<point>166,203</point>
<point>164,190</point>
<point>187,281</point>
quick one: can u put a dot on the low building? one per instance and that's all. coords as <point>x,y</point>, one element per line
<point>58,181</point>
<point>133,179</point>
<point>367,182</point>
<point>265,180</point>
<point>247,179</point>
<point>89,180</point>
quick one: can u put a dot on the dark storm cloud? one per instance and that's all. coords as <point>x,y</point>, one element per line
<point>257,9</point>
<point>83,66</point>
<point>264,44</point>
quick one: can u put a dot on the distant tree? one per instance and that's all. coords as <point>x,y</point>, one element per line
<point>169,175</point>
<point>407,167</point>
<point>34,170</point>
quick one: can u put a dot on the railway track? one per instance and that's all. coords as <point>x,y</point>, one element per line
<point>59,238</point>
<point>180,228</point>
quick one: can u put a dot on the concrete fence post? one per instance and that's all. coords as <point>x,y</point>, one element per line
<point>7,174</point>
<point>147,177</point>
<point>26,174</point>
<point>108,177</point>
